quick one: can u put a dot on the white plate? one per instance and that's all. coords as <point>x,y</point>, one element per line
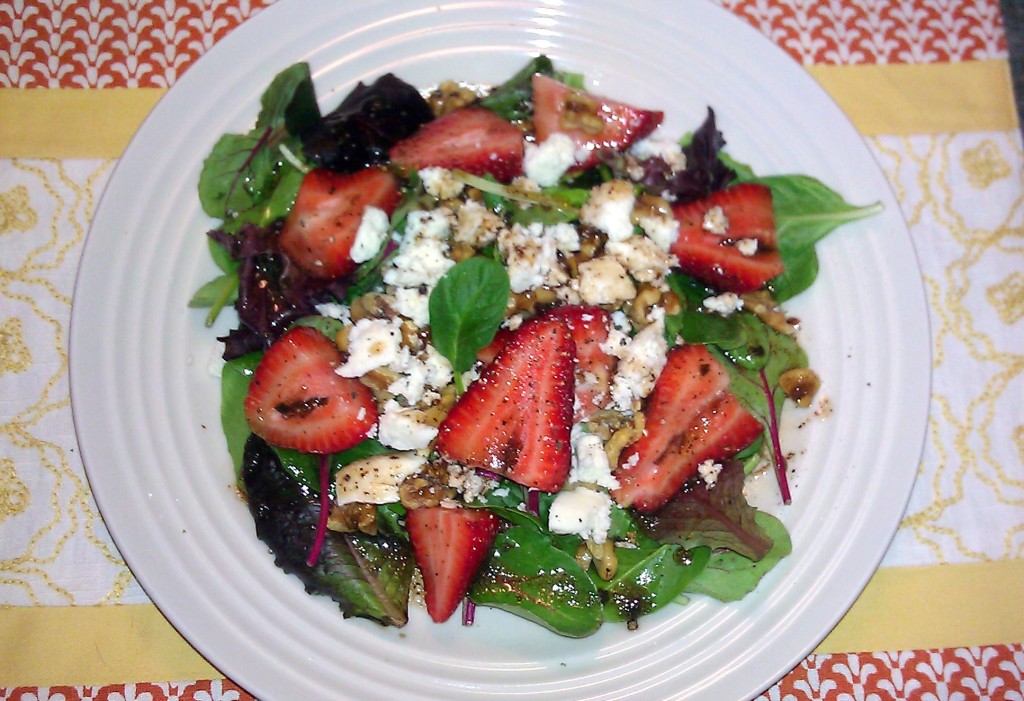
<point>146,407</point>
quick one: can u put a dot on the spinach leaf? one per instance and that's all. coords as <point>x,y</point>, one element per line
<point>807,210</point>
<point>466,308</point>
<point>729,576</point>
<point>215,295</point>
<point>531,578</point>
<point>368,576</point>
<point>513,99</point>
<point>799,272</point>
<point>234,385</point>
<point>647,579</point>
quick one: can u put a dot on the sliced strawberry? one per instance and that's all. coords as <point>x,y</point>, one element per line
<point>691,416</point>
<point>297,401</point>
<point>516,418</point>
<point>714,258</point>
<point>472,139</point>
<point>450,545</point>
<point>594,368</point>
<point>488,353</point>
<point>321,227</point>
<point>593,122</point>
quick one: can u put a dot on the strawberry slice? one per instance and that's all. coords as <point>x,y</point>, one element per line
<point>321,227</point>
<point>594,368</point>
<point>488,353</point>
<point>691,417</point>
<point>472,139</point>
<point>449,545</point>
<point>707,245</point>
<point>591,121</point>
<point>516,418</point>
<point>296,400</point>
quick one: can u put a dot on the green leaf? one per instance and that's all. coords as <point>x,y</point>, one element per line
<point>368,576</point>
<point>513,98</point>
<point>466,308</point>
<point>646,579</point>
<point>289,101</point>
<point>807,210</point>
<point>780,353</point>
<point>528,576</point>
<point>730,577</point>
<point>800,271</point>
<point>234,384</point>
<point>221,257</point>
<point>216,293</point>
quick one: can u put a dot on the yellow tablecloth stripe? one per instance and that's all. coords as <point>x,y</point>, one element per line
<point>880,99</point>
<point>901,609</point>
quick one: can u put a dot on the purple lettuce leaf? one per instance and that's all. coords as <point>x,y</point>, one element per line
<point>273,293</point>
<point>360,131</point>
<point>719,517</point>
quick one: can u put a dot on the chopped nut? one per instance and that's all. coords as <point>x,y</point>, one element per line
<point>800,385</point>
<point>354,517</point>
<point>426,489</point>
<point>767,310</point>
<point>373,305</point>
<point>450,96</point>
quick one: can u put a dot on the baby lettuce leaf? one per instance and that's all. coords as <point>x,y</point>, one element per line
<point>466,308</point>
<point>246,178</point>
<point>729,576</point>
<point>528,576</point>
<point>289,102</point>
<point>367,576</point>
<point>775,353</point>
<point>719,517</point>
<point>647,579</point>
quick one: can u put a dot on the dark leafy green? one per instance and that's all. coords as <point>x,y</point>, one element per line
<point>729,576</point>
<point>531,578</point>
<point>369,577</point>
<point>371,119</point>
<point>648,579</point>
<point>466,308</point>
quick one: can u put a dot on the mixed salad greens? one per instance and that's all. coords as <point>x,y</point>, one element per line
<point>509,341</point>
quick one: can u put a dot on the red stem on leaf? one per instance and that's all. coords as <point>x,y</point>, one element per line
<point>260,143</point>
<point>468,612</point>
<point>325,511</point>
<point>773,430</point>
<point>533,501</point>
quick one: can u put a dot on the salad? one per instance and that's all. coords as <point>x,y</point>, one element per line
<point>507,346</point>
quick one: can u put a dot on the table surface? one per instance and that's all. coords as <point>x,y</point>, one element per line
<point>927,82</point>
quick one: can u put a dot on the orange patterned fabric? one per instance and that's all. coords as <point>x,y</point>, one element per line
<point>993,673</point>
<point>127,43</point>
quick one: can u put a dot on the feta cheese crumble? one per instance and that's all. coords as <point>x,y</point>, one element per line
<point>583,512</point>
<point>715,221</point>
<point>439,183</point>
<point>747,247</point>
<point>610,209</point>
<point>371,234</point>
<point>372,343</point>
<point>640,362</point>
<point>546,162</point>
<point>590,461</point>
<point>604,281</point>
<point>725,304</point>
<point>709,471</point>
<point>404,428</point>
